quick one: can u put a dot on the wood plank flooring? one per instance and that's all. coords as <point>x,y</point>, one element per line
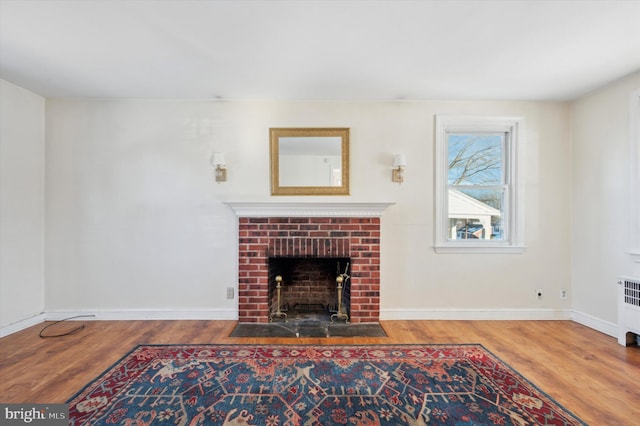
<point>584,370</point>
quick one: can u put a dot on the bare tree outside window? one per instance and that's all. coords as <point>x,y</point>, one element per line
<point>475,159</point>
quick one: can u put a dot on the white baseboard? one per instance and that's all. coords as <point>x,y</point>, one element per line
<point>602,326</point>
<point>21,325</point>
<point>132,315</point>
<point>475,314</point>
<point>116,315</point>
<point>597,324</point>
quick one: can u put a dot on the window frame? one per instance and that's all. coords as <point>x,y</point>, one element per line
<point>513,222</point>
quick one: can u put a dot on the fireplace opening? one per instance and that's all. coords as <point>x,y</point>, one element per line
<point>309,289</point>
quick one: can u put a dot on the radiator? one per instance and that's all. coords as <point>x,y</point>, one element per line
<point>628,310</point>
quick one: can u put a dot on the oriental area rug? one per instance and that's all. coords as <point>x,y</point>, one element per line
<point>326,385</point>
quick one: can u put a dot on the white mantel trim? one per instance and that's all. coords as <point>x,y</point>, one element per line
<point>307,209</point>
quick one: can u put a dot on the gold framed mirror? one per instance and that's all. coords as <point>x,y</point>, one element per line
<point>309,161</point>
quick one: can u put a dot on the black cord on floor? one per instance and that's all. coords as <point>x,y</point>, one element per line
<point>68,333</point>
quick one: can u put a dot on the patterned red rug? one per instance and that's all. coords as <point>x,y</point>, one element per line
<point>313,385</point>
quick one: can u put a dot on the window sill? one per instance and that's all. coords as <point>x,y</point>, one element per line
<point>479,249</point>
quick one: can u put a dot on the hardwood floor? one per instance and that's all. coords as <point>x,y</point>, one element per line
<point>585,371</point>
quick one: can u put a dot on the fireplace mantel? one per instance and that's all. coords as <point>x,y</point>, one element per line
<point>308,209</point>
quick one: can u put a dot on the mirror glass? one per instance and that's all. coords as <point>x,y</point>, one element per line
<point>309,161</point>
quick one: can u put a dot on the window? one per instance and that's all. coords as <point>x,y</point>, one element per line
<point>478,199</point>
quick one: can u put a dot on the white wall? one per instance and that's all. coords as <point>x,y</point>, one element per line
<point>600,201</point>
<point>135,222</point>
<point>21,205</point>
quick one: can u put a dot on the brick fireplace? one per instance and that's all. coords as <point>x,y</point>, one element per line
<point>344,232</point>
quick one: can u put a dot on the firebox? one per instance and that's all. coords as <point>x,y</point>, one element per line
<point>309,288</point>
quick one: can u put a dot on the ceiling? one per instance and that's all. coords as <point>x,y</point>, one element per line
<point>356,50</point>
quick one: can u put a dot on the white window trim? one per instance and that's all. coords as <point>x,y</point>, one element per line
<point>634,172</point>
<point>515,198</point>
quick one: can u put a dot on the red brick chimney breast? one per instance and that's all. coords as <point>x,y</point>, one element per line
<point>357,238</point>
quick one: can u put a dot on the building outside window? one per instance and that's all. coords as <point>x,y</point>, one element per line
<point>478,196</point>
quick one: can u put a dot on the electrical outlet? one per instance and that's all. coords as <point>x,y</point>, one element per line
<point>538,293</point>
<point>563,294</point>
<point>229,292</point>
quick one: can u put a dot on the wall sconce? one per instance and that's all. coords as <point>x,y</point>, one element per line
<point>217,161</point>
<point>399,162</point>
